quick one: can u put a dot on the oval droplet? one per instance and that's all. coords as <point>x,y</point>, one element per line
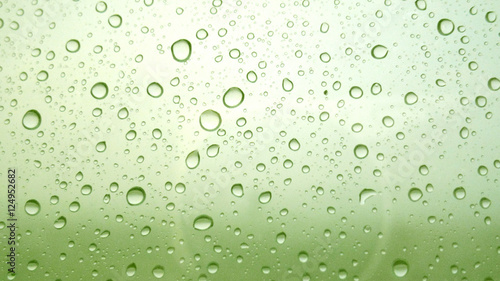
<point>411,98</point>
<point>233,97</point>
<point>73,46</point>
<point>356,92</point>
<point>294,144</point>
<point>361,151</point>
<point>287,85</point>
<point>210,120</point>
<point>99,90</point>
<point>237,190</point>
<point>482,170</point>
<point>213,150</point>
<point>365,194</point>
<point>155,90</point>
<point>181,50</point>
<point>203,222</point>
<point>388,121</point>
<point>60,222</point>
<point>135,196</point>
<point>32,207</point>
<point>265,197</point>
<point>494,84</point>
<point>464,132</point>
<point>400,268</point>
<point>193,159</point>
<point>325,57</point>
<point>158,271</point>
<point>32,119</point>
<point>445,27</point>
<point>415,194</point>
<point>281,238</point>
<point>101,146</point>
<point>252,77</point>
<point>115,21</point>
<point>379,52</point>
<point>459,193</point>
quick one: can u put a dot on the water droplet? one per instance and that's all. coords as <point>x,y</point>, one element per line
<point>233,97</point>
<point>135,196</point>
<point>145,230</point>
<point>131,269</point>
<point>101,146</point>
<point>210,120</point>
<point>379,52</point>
<point>115,21</point>
<point>491,17</point>
<point>494,84</point>
<point>485,203</point>
<point>459,193</point>
<point>324,27</point>
<point>234,53</point>
<point>421,5</point>
<point>123,113</point>
<point>131,135</point>
<point>203,222</point>
<point>252,77</point>
<point>180,188</point>
<point>464,133</point>
<point>423,170</point>
<point>356,92</point>
<point>445,27</point>
<point>32,265</point>
<point>86,189</point>
<point>325,57</point>
<point>72,46</point>
<point>265,197</point>
<point>361,151</point>
<point>324,116</point>
<point>181,50</point>
<point>32,207</point>
<point>213,150</point>
<point>400,268</point>
<point>99,90</point>
<point>281,238</point>
<point>42,75</point>
<point>365,194</point>
<point>101,7</point>
<point>287,85</point>
<point>32,119</point>
<point>482,170</point>
<point>411,98</point>
<point>357,127</point>
<point>193,159</point>
<point>481,101</point>
<point>158,271</point>
<point>201,34</point>
<point>74,206</point>
<point>415,194</point>
<point>376,89</point>
<point>155,90</point>
<point>388,121</point>
<point>213,268</point>
<point>303,257</point>
<point>157,133</point>
<point>60,222</point>
<point>237,190</point>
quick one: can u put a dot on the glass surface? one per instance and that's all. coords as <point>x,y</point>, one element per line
<point>251,140</point>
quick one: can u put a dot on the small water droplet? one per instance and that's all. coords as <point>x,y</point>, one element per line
<point>193,159</point>
<point>287,85</point>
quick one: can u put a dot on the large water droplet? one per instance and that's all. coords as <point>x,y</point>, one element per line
<point>131,269</point>
<point>32,119</point>
<point>115,21</point>
<point>464,133</point>
<point>135,196</point>
<point>233,97</point>
<point>213,150</point>
<point>101,146</point>
<point>158,271</point>
<point>86,189</point>
<point>123,113</point>
<point>365,194</point>
<point>287,85</point>
<point>400,268</point>
<point>210,120</point>
<point>281,238</point>
<point>265,197</point>
<point>482,170</point>
<point>181,50</point>
<point>379,52</point>
<point>155,90</point>
<point>459,193</point>
<point>60,222</point>
<point>485,203</point>
<point>294,144</point>
<point>237,190</point>
<point>494,84</point>
<point>203,222</point>
<point>193,159</point>
<point>32,207</point>
<point>445,27</point>
<point>388,121</point>
<point>361,151</point>
<point>72,46</point>
<point>99,90</point>
<point>356,92</point>
<point>415,194</point>
<point>411,98</point>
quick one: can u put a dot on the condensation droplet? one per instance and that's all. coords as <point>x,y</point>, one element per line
<point>181,50</point>
<point>32,119</point>
<point>135,196</point>
<point>155,90</point>
<point>99,90</point>
<point>193,159</point>
<point>203,222</point>
<point>379,52</point>
<point>233,97</point>
<point>210,120</point>
<point>445,27</point>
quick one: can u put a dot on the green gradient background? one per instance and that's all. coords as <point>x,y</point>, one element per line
<point>242,240</point>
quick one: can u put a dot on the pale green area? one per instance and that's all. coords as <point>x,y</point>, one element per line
<point>279,140</point>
